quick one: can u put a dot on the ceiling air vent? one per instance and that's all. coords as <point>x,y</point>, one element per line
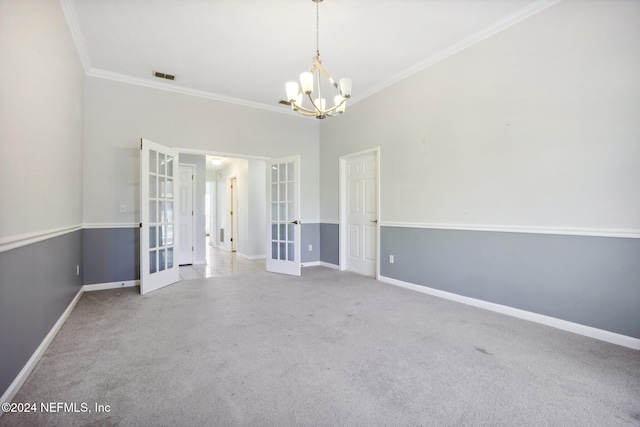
<point>164,76</point>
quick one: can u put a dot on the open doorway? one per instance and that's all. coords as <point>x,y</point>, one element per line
<point>232,243</point>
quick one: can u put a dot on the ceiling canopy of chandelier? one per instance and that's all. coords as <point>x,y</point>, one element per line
<point>311,87</point>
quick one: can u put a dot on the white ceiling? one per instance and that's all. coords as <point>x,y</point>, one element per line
<point>244,51</point>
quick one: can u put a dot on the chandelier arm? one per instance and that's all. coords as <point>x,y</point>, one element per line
<point>308,114</point>
<point>318,65</point>
<point>300,107</point>
<point>335,107</point>
<point>314,104</point>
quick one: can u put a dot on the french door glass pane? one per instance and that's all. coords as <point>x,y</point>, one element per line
<point>169,211</point>
<point>152,237</point>
<point>153,189</point>
<point>162,164</point>
<point>290,252</point>
<point>162,187</point>
<point>153,212</point>
<point>169,188</point>
<point>169,166</point>
<point>153,161</point>
<point>169,235</point>
<point>290,191</point>
<point>274,250</point>
<point>290,211</point>
<point>283,250</point>
<point>161,260</point>
<point>290,176</point>
<point>162,212</point>
<point>169,258</point>
<point>162,241</point>
<point>152,262</point>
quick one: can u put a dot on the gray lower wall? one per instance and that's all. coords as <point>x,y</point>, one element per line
<point>330,243</point>
<point>111,255</point>
<point>593,281</point>
<point>310,235</point>
<point>37,284</point>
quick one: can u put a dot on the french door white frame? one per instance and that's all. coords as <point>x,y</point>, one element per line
<point>158,233</point>
<point>286,220</point>
<point>343,207</point>
<point>193,207</point>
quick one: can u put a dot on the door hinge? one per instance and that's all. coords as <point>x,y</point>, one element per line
<point>140,225</point>
<point>191,177</point>
<point>141,143</point>
<point>230,213</point>
<point>191,213</point>
<point>191,248</point>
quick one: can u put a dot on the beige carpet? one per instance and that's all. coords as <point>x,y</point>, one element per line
<point>327,349</point>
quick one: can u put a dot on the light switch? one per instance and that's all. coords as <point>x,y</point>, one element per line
<point>123,208</point>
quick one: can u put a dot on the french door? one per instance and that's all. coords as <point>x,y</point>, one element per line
<point>283,211</point>
<point>158,263</point>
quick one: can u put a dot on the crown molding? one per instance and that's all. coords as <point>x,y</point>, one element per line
<point>71,16</point>
<point>169,87</point>
<point>69,10</point>
<point>503,24</point>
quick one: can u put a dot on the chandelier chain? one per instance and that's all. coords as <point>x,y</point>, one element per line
<point>318,28</point>
<point>310,82</point>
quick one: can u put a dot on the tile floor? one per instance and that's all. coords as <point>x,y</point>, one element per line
<point>220,264</point>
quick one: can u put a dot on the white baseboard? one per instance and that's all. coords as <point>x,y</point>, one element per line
<point>256,257</point>
<point>111,285</point>
<point>37,355</point>
<point>321,264</point>
<point>329,265</point>
<point>576,328</point>
<point>310,264</point>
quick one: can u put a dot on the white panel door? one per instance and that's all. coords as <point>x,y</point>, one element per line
<point>283,211</point>
<point>158,231</point>
<point>185,212</point>
<point>361,214</point>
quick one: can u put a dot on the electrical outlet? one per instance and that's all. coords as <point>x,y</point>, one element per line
<point>123,208</point>
<point>310,248</point>
<point>77,269</point>
<point>391,259</point>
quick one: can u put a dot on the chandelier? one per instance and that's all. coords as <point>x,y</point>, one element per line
<point>311,87</point>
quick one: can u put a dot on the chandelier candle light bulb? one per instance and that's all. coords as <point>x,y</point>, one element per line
<point>318,107</point>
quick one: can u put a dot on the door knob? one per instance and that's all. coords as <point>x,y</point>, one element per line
<point>375,220</point>
<point>296,222</point>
